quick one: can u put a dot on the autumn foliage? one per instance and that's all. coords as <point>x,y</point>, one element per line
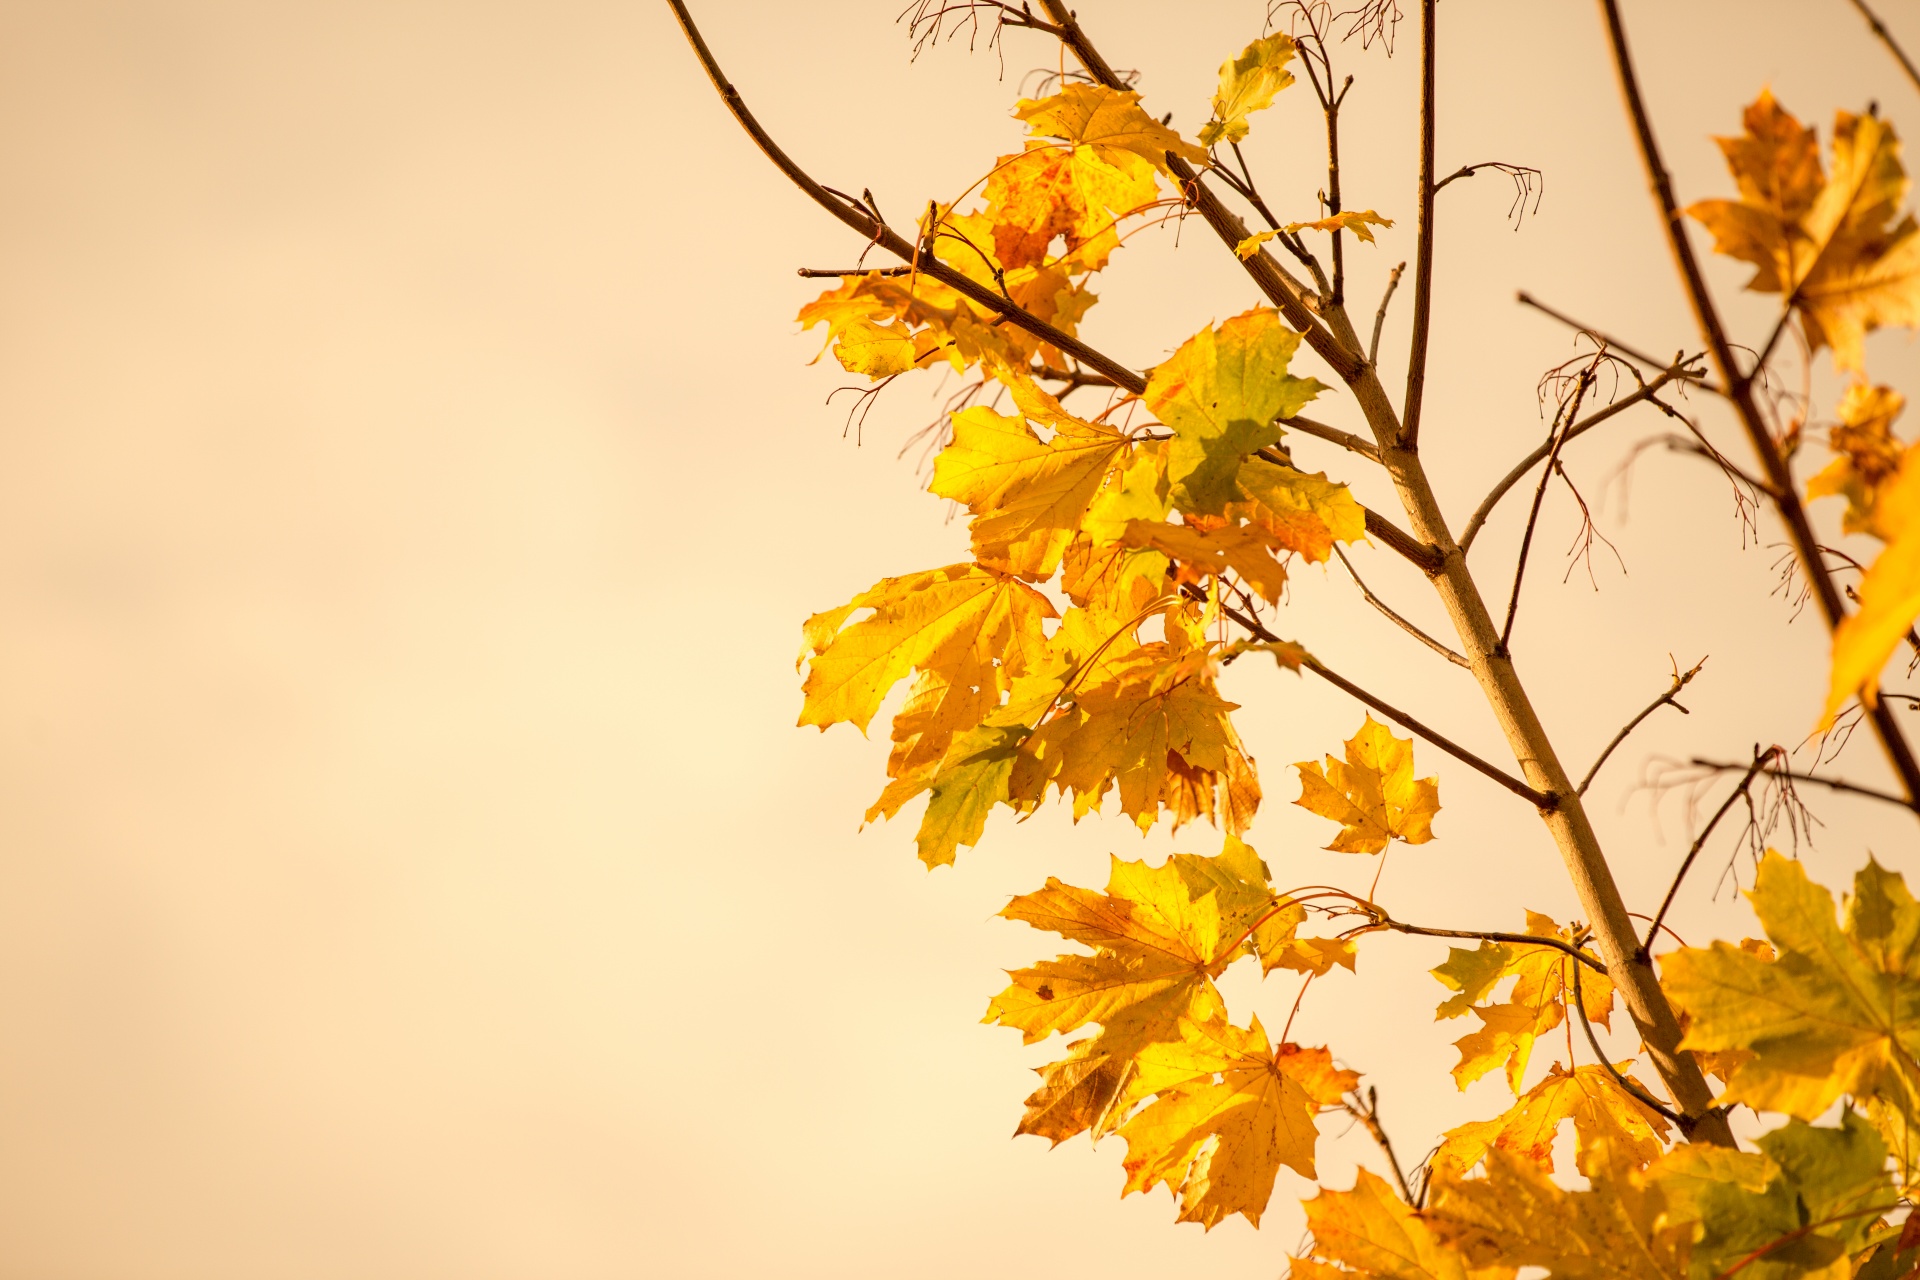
<point>1124,549</point>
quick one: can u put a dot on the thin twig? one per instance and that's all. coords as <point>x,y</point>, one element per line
<point>1540,451</point>
<point>1760,761</point>
<point>1886,38</point>
<point>1557,440</point>
<point>1410,629</point>
<point>1831,784</point>
<point>1526,299</point>
<point>1333,435</point>
<point>1681,679</point>
<point>1423,248</point>
<point>1739,387</point>
<point>1259,630</point>
<point>1383,921</point>
<point>1632,1089</point>
<point>1380,316</point>
<point>1369,1116</point>
<point>828,273</point>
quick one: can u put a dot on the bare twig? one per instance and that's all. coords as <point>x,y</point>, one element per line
<point>827,273</point>
<point>1380,316</point>
<point>1383,921</point>
<point>1527,182</point>
<point>1556,441</point>
<point>1539,799</point>
<point>1408,627</point>
<point>1760,761</point>
<point>1739,386</point>
<point>1886,37</point>
<point>1369,1115</point>
<point>1819,780</point>
<point>1681,679</point>
<point>1526,299</point>
<point>1333,435</point>
<point>1540,451</point>
<point>1423,247</point>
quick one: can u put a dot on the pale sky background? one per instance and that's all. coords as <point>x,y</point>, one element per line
<point>411,483</point>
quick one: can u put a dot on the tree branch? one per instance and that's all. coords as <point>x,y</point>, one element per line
<point>1611,343</point>
<point>1578,429</point>
<point>1760,760</point>
<point>830,273</point>
<point>868,224</point>
<point>1539,799</point>
<point>1426,558</point>
<point>1423,248</point>
<point>1632,1090</point>
<point>1557,440</point>
<point>1380,316</point>
<point>1681,679</point>
<point>1384,921</point>
<point>1408,627</point>
<point>1831,784</point>
<point>1886,37</point>
<point>1369,1116</point>
<point>1333,435</point>
<point>1739,388</point>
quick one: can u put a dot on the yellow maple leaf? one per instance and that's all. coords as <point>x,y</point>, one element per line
<point>1084,1092</point>
<point>1620,1228</point>
<point>1889,593</point>
<point>1156,952</point>
<point>1299,512</point>
<point>1373,795</point>
<point>1805,1205</point>
<point>1230,1110</point>
<point>877,350</point>
<point>1354,220</point>
<point>971,625</point>
<point>1027,496</point>
<point>1869,453</point>
<point>974,771</point>
<point>1248,84</point>
<point>1599,1108</point>
<point>1836,1012</point>
<point>1157,729</point>
<point>1829,244</point>
<point>1200,553</point>
<point>1370,1231</point>
<point>1243,890</point>
<point>1219,394</point>
<point>1143,921</point>
<point>1534,1006</point>
<point>1109,123</point>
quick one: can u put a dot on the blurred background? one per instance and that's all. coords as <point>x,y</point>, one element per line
<point>412,481</point>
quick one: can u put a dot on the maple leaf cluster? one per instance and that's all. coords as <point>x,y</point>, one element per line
<point>1035,667</point>
<point>1076,652</point>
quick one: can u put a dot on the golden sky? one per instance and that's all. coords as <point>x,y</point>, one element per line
<point>411,483</point>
